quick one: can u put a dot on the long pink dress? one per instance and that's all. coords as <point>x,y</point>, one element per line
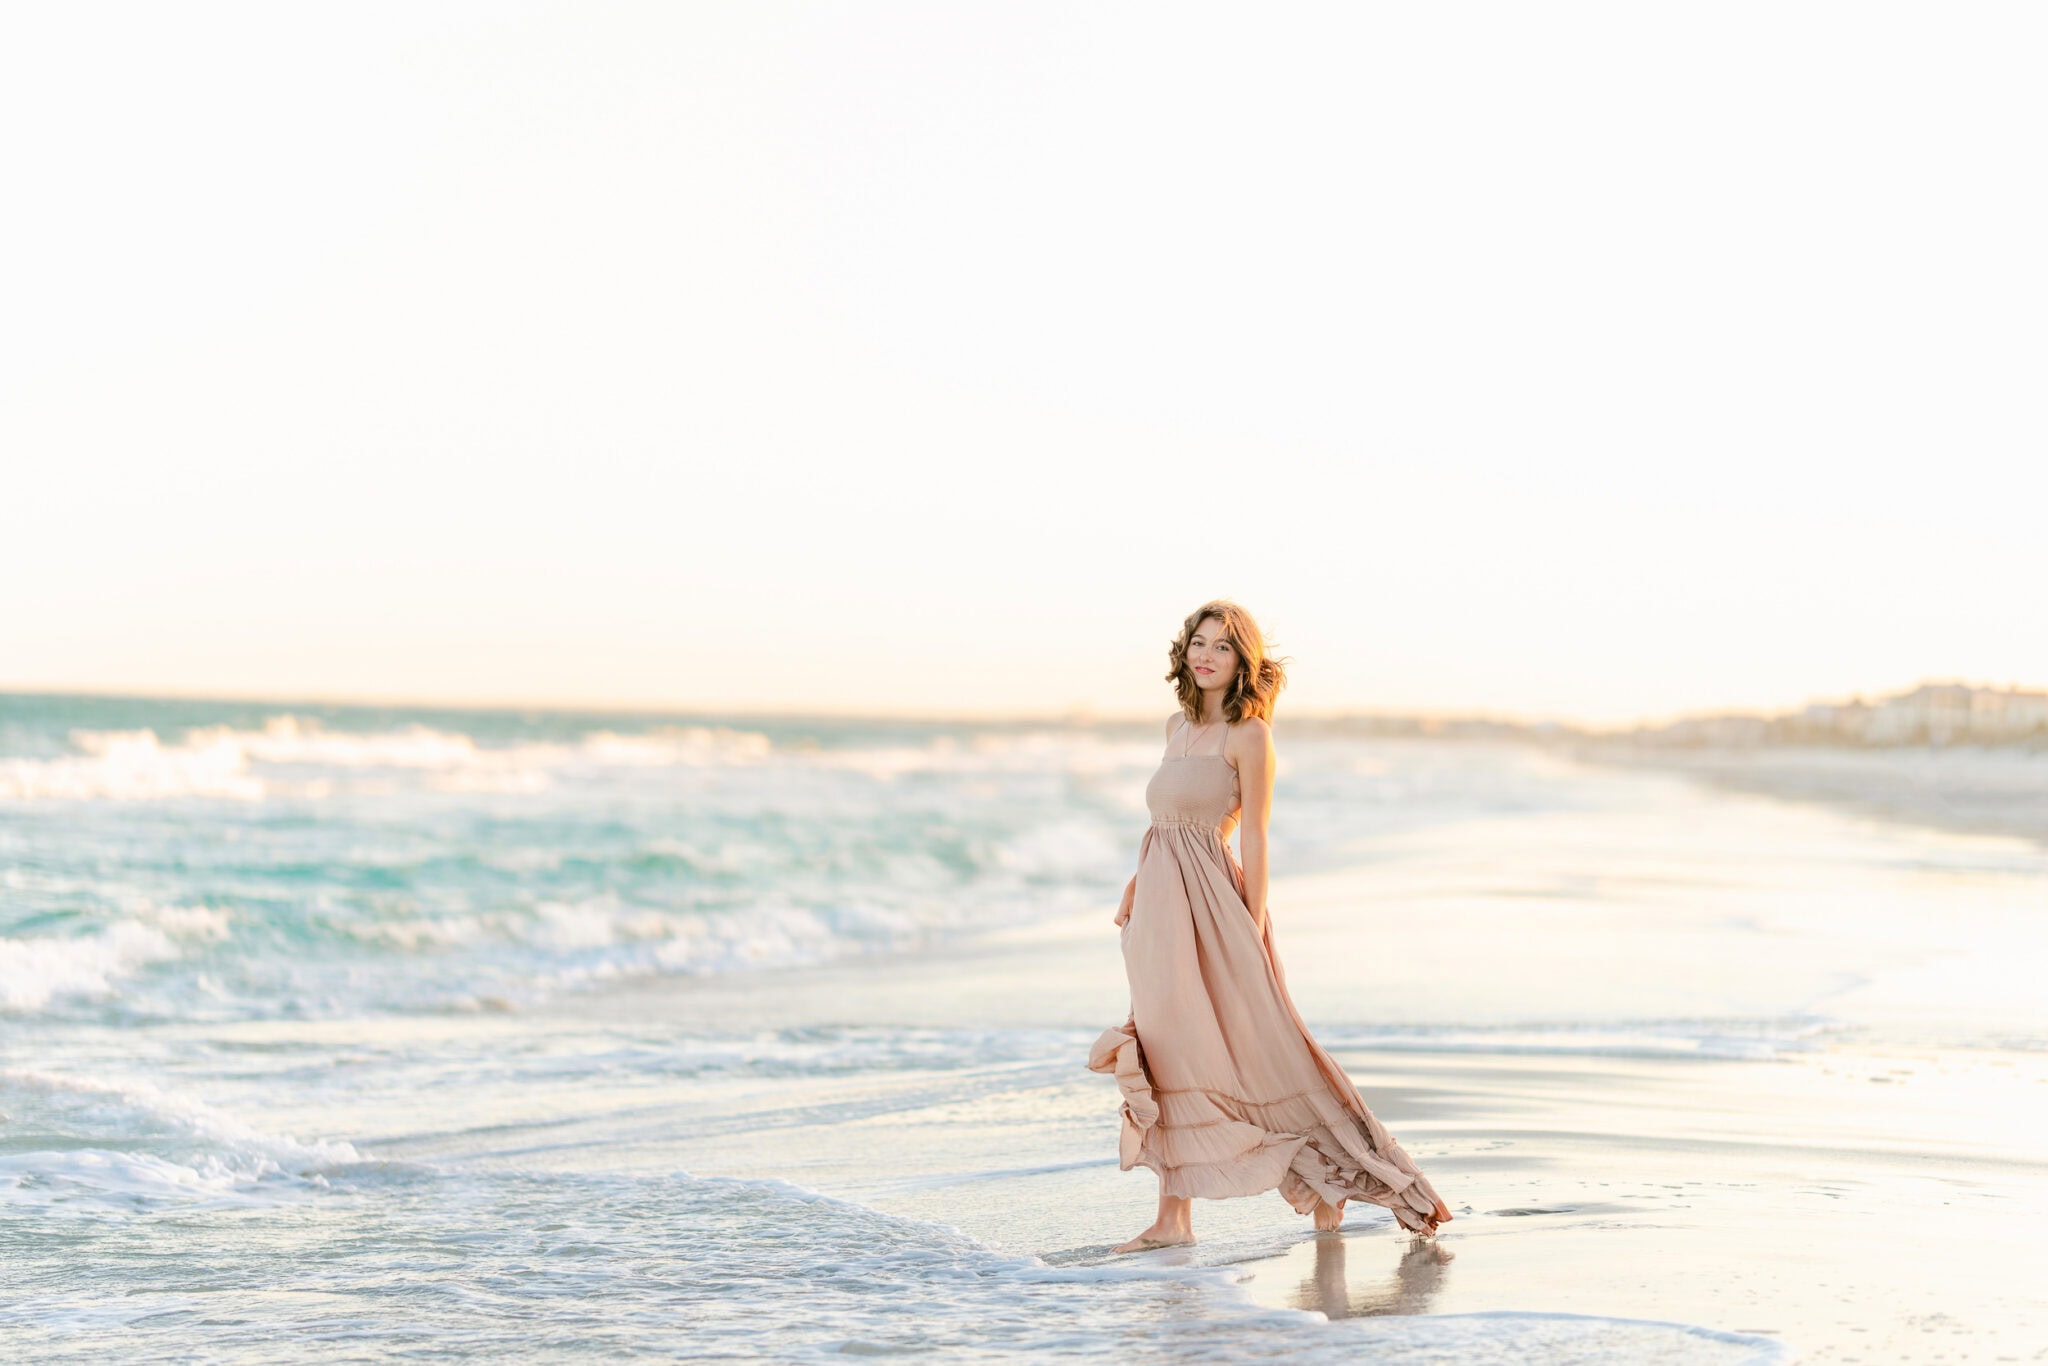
<point>1224,1090</point>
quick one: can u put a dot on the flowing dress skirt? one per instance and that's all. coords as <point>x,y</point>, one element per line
<point>1225,1092</point>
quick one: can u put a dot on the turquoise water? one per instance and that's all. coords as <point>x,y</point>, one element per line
<point>194,861</point>
<point>188,860</point>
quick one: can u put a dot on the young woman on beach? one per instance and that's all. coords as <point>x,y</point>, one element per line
<point>1225,1092</point>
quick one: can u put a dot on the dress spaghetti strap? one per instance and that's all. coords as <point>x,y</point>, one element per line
<point>1199,735</point>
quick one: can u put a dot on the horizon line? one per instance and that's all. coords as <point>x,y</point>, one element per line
<point>1071,714</point>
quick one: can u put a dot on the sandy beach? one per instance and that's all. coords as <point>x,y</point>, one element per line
<point>714,1043</point>
<point>1969,789</point>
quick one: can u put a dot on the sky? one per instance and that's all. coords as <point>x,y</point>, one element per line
<point>1597,362</point>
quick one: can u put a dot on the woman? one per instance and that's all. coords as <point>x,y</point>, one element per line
<point>1225,1093</point>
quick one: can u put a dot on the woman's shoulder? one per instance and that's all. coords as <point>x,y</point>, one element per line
<point>1252,728</point>
<point>1172,722</point>
<point>1250,740</point>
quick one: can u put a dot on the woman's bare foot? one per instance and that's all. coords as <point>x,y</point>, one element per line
<point>1175,1226</point>
<point>1157,1237</point>
<point>1329,1218</point>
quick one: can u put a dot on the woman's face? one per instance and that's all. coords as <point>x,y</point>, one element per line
<point>1211,656</point>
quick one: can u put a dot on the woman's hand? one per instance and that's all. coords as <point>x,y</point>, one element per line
<point>1123,912</point>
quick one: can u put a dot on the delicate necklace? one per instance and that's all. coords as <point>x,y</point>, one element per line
<point>1194,735</point>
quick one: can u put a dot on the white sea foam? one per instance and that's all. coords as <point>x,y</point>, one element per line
<point>710,1268</point>
<point>1070,848</point>
<point>128,1143</point>
<point>243,765</point>
<point>653,943</point>
<point>96,1174</point>
<point>1049,751</point>
<point>288,740</point>
<point>35,971</point>
<point>681,940</point>
<point>413,934</point>
<point>574,944</point>
<point>133,765</point>
<point>672,746</point>
<point>197,923</point>
<point>972,1295</point>
<point>1740,1040</point>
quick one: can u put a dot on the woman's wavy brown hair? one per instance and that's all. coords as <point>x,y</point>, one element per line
<point>1260,676</point>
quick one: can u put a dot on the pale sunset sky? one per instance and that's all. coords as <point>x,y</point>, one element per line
<point>1587,361</point>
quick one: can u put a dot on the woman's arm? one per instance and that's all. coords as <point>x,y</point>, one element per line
<point>1251,748</point>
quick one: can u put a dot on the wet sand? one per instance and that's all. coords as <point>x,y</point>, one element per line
<point>1854,1205</point>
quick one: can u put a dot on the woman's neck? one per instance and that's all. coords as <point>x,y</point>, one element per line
<point>1212,711</point>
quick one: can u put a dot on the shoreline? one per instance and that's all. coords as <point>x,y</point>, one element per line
<point>1963,790</point>
<point>1747,1200</point>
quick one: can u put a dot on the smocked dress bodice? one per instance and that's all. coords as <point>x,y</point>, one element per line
<point>1194,789</point>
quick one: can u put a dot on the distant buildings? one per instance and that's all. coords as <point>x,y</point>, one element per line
<point>1931,714</point>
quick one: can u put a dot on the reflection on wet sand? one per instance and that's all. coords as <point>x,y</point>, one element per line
<point>1416,1279</point>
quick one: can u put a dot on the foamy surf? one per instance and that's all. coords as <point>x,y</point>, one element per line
<point>695,1268</point>
<point>249,765</point>
<point>37,970</point>
<point>83,1146</point>
<point>1722,1040</point>
<point>419,867</point>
